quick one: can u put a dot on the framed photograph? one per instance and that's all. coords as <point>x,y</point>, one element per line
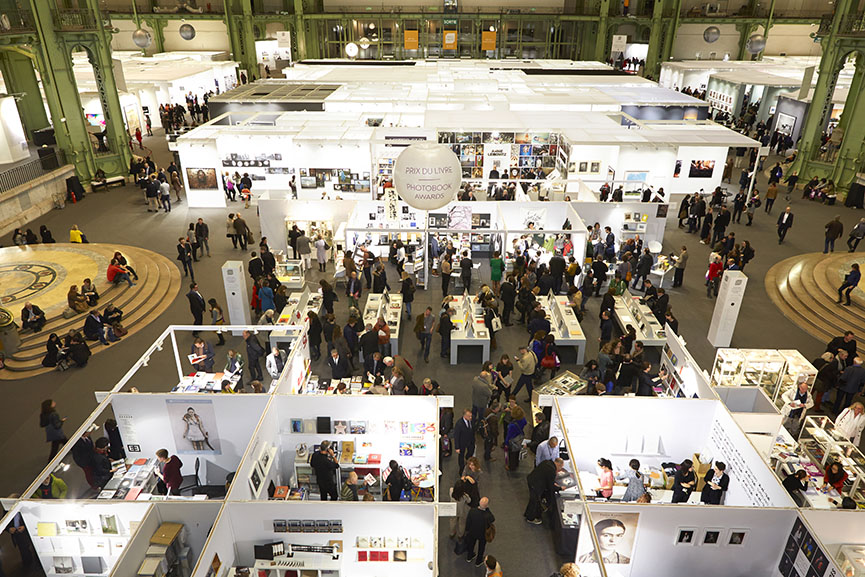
<point>662,211</point>
<point>711,536</point>
<point>79,526</point>
<point>595,168</point>
<point>583,167</point>
<point>616,533</point>
<point>340,427</point>
<point>264,458</point>
<point>686,536</point>
<point>215,566</point>
<point>109,526</point>
<point>201,178</point>
<point>677,170</point>
<point>737,537</point>
<point>296,425</point>
<point>701,169</point>
<point>358,427</point>
<point>255,479</point>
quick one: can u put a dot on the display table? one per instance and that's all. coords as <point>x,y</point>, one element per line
<point>630,311</point>
<point>206,382</point>
<point>290,273</point>
<point>293,315</point>
<point>135,482</point>
<point>662,271</point>
<point>469,328</point>
<point>313,564</point>
<point>566,528</point>
<point>388,306</point>
<point>564,324</point>
<point>566,383</point>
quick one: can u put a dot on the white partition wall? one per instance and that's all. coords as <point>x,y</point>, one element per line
<point>376,539</point>
<point>612,214</point>
<point>157,422</point>
<point>652,545</point>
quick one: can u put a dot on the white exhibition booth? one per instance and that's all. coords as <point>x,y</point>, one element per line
<point>356,539</point>
<point>13,140</point>
<point>366,432</point>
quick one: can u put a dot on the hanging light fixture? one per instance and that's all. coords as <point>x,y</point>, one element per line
<point>351,50</point>
<point>364,42</point>
<point>187,31</point>
<point>142,38</point>
<point>711,34</point>
<point>756,43</point>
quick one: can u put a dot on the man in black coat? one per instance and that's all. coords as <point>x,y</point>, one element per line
<point>197,305</point>
<point>202,236</point>
<point>847,343</point>
<point>32,317</point>
<point>464,439</point>
<point>542,484</point>
<point>722,221</point>
<point>324,465</point>
<point>661,305</point>
<point>373,363</point>
<point>184,255</point>
<point>368,343</point>
<point>256,266</point>
<point>254,352</point>
<point>644,267</point>
<point>508,294</point>
<point>102,472</point>
<point>557,270</point>
<point>477,521</point>
<point>629,373</point>
<point>785,223</point>
<point>268,259</point>
<point>338,365</point>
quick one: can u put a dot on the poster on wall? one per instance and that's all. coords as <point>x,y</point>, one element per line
<point>803,557</point>
<point>701,168</point>
<point>201,178</point>
<point>460,218</point>
<point>193,425</point>
<point>677,171</point>
<point>617,534</point>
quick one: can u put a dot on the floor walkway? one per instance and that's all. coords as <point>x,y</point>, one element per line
<point>120,216</point>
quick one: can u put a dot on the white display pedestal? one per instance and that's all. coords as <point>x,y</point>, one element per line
<point>236,299</point>
<point>727,307</point>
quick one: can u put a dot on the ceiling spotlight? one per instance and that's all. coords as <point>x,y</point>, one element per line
<point>372,25</point>
<point>351,51</point>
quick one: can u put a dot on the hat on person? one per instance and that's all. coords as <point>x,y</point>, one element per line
<point>388,360</point>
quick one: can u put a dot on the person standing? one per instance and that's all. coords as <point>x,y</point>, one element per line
<point>275,362</point>
<point>851,280</point>
<point>446,326</point>
<point>466,271</point>
<point>241,231</point>
<point>254,352</point>
<point>851,422</point>
<point>51,421</point>
<point>856,235</point>
<point>491,426</point>
<point>721,223</point>
<point>713,277</point>
<point>426,322</point>
<point>202,236</point>
<point>785,223</point>
<point>791,181</point>
<point>771,195</point>
<point>216,318</point>
<point>169,472</point>
<point>184,255</point>
<point>197,305</point>
<point>684,482</point>
<point>482,392</point>
<point>353,290</point>
<point>849,384</point>
<point>527,363</point>
<point>514,437</point>
<point>478,520</point>
<point>304,250</point>
<point>681,263</point>
<point>797,401</point>
<point>508,294</point>
<point>165,195</point>
<point>445,272</point>
<point>324,465</point>
<point>321,254</point>
<point>644,267</point>
<point>542,485</point>
<point>230,232</point>
<point>834,230</point>
<point>738,206</point>
<point>464,439</point>
<point>293,235</point>
<point>497,267</point>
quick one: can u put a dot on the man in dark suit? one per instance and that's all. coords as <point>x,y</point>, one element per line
<point>508,294</point>
<point>338,365</point>
<point>254,352</point>
<point>368,342</point>
<point>268,259</point>
<point>661,305</point>
<point>373,364</point>
<point>785,222</point>
<point>557,270</point>
<point>256,266</point>
<point>464,438</point>
<point>542,483</point>
<point>184,255</point>
<point>477,521</point>
<point>197,305</point>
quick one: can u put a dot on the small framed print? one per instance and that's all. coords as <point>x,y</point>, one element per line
<point>686,536</point>
<point>738,537</point>
<point>711,536</point>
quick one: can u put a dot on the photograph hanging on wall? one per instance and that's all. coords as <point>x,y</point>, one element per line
<point>215,566</point>
<point>201,178</point>
<point>702,169</point>
<point>686,535</point>
<point>678,169</point>
<point>108,524</point>
<point>711,537</point>
<point>737,537</point>
<point>193,425</point>
<point>583,167</point>
<point>616,533</point>
<point>595,167</point>
<point>77,526</point>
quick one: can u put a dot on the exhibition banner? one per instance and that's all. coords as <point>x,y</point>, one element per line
<point>449,40</point>
<point>411,40</point>
<point>488,41</point>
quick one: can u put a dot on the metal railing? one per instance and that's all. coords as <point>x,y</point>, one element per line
<point>29,171</point>
<point>16,21</point>
<point>852,25</point>
<point>74,19</point>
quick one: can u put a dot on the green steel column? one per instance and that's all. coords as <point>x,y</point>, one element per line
<point>671,33</point>
<point>299,40</point>
<point>158,27</point>
<point>821,103</point>
<point>603,31</point>
<point>653,58</point>
<point>745,31</point>
<point>238,20</point>
<point>20,78</point>
<point>55,70</point>
<point>849,158</point>
<point>768,25</point>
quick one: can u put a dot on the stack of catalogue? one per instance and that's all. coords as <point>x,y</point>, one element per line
<point>167,554</point>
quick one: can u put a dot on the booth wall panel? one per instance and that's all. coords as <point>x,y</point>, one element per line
<point>202,154</point>
<point>835,527</point>
<point>689,43</point>
<point>684,183</point>
<point>267,434</point>
<point>236,418</point>
<point>794,108</point>
<point>654,552</point>
<point>272,213</point>
<point>612,214</point>
<point>221,541</point>
<point>135,551</point>
<point>197,517</point>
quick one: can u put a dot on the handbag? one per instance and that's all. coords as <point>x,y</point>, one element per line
<point>496,324</point>
<point>490,533</point>
<point>550,361</point>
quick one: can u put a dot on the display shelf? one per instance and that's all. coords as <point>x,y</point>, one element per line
<point>798,369</point>
<point>852,560</point>
<point>727,367</point>
<point>313,228</point>
<point>290,273</point>
<point>564,384</point>
<point>823,445</point>
<point>629,310</point>
<point>775,371</point>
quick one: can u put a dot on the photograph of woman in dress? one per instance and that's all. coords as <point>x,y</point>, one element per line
<point>195,432</point>
<point>193,424</point>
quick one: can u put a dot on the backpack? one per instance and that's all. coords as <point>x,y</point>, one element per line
<point>484,429</point>
<point>446,446</point>
<point>490,533</point>
<point>516,443</point>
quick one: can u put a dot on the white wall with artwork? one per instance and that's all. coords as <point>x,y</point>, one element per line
<point>215,429</point>
<point>357,539</point>
<point>653,219</point>
<point>202,174</point>
<point>639,540</point>
<point>79,538</point>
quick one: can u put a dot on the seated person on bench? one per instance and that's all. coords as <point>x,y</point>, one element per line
<point>32,317</point>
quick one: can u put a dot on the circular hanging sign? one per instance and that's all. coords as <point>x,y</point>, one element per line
<point>427,175</point>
